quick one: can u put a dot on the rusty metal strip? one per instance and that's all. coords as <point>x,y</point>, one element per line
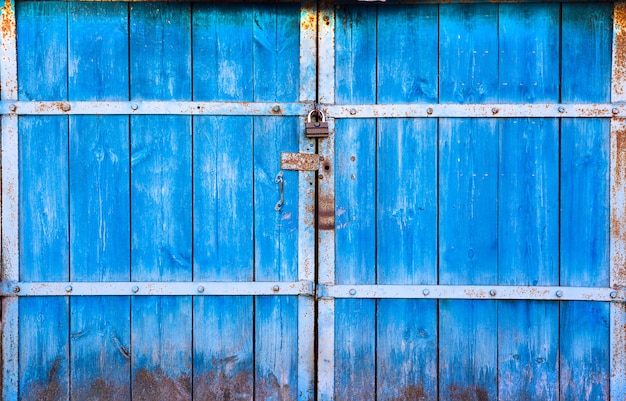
<point>155,107</point>
<point>10,202</point>
<point>546,110</point>
<point>618,206</point>
<point>54,289</point>
<point>299,161</point>
<point>534,293</point>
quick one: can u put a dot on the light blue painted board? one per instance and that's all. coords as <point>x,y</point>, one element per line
<point>44,252</point>
<point>161,187</point>
<point>407,54</point>
<point>584,353</point>
<point>468,168</point>
<point>528,195</point>
<point>99,201</point>
<point>355,203</point>
<point>42,50</point>
<point>223,202</point>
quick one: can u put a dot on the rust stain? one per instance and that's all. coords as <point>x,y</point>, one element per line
<point>617,224</point>
<point>619,50</point>
<point>326,212</point>
<point>157,385</point>
<point>7,25</point>
<point>412,393</point>
<point>471,393</point>
<point>219,386</point>
<point>270,388</point>
<point>51,389</point>
<point>101,390</point>
<point>309,22</point>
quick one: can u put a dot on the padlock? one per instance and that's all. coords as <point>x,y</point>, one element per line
<point>316,129</point>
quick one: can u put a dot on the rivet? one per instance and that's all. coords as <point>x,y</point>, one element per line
<point>352,112</point>
<point>17,289</point>
<point>12,107</point>
<point>559,293</point>
<point>135,106</point>
<point>135,289</point>
<point>495,110</point>
<point>561,109</point>
<point>321,158</point>
<point>425,292</point>
<point>613,294</point>
<point>615,110</point>
<point>67,107</point>
<point>429,110</point>
<point>352,291</point>
<point>276,288</point>
<point>492,293</point>
<point>321,176</point>
<point>201,289</point>
<point>68,288</point>
<point>276,109</point>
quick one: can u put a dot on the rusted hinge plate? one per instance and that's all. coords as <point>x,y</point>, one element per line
<point>299,161</point>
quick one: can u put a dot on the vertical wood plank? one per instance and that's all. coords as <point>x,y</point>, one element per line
<point>223,203</point>
<point>43,202</point>
<point>468,152</point>
<point>585,356</point>
<point>355,203</point>
<point>618,207</point>
<point>161,148</point>
<point>99,201</point>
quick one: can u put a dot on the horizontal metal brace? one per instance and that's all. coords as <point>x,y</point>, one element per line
<point>38,289</point>
<point>476,110</point>
<point>555,293</point>
<point>299,161</point>
<point>155,107</point>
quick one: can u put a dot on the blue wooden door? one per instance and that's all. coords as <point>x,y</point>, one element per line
<point>473,179</point>
<point>149,253</point>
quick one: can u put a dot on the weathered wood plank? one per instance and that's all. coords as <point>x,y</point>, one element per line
<point>161,148</point>
<point>584,353</point>
<point>99,201</point>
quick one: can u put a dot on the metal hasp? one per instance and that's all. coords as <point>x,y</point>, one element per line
<point>299,161</point>
<point>316,129</point>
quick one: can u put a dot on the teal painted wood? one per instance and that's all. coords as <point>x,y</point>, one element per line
<point>355,203</point>
<point>161,177</point>
<point>528,198</point>
<point>99,201</point>
<point>43,160</point>
<point>584,330</point>
<point>223,203</point>
<point>468,168</point>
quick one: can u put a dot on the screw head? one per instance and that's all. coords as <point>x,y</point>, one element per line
<point>352,291</point>
<point>68,288</point>
<point>426,292</point>
<point>492,293</point>
<point>429,110</point>
<point>67,107</point>
<point>135,106</point>
<point>17,289</point>
<point>561,109</point>
<point>615,110</point>
<point>352,112</point>
<point>495,110</point>
<point>559,293</point>
<point>135,289</point>
<point>276,288</point>
<point>12,107</point>
<point>276,109</point>
<point>613,294</point>
<point>201,289</point>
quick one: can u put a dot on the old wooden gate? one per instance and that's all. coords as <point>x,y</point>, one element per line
<point>170,233</point>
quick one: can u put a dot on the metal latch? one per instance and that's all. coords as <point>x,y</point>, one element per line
<point>299,161</point>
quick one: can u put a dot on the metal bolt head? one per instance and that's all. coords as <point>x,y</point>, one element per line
<point>13,107</point>
<point>492,293</point>
<point>353,292</point>
<point>17,289</point>
<point>561,109</point>
<point>68,288</point>
<point>426,292</point>
<point>201,289</point>
<point>613,294</point>
<point>615,110</point>
<point>66,107</point>
<point>276,109</point>
<point>352,112</point>
<point>276,288</point>
<point>495,110</point>
<point>135,289</point>
<point>429,110</point>
<point>135,106</point>
<point>559,293</point>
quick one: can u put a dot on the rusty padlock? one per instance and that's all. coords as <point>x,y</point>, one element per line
<point>316,129</point>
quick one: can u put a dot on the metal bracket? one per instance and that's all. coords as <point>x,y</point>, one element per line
<point>299,161</point>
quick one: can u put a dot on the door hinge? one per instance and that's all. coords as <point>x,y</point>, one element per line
<point>299,161</point>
